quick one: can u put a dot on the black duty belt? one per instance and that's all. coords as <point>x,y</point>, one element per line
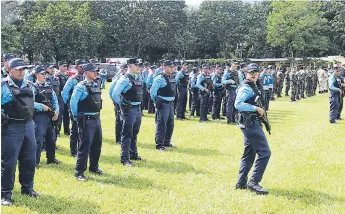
<point>92,117</point>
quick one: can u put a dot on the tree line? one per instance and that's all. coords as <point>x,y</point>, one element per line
<point>66,30</point>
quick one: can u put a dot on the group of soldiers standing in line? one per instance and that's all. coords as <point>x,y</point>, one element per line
<point>33,109</point>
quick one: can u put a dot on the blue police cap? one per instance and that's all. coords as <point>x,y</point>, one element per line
<point>252,68</point>
<point>134,61</point>
<point>153,67</point>
<point>49,65</point>
<point>93,61</point>
<point>17,63</point>
<point>80,62</point>
<point>8,57</point>
<point>124,66</point>
<point>39,69</point>
<point>242,65</point>
<point>63,63</point>
<point>90,67</point>
<point>168,63</point>
<point>336,68</point>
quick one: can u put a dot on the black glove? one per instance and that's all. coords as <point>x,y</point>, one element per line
<point>125,108</point>
<point>159,103</point>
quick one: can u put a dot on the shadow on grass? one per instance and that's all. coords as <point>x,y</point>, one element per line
<point>171,167</point>
<point>190,151</point>
<point>307,196</point>
<point>131,182</point>
<point>281,117</point>
<point>50,204</point>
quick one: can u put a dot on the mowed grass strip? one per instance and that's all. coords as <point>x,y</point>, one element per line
<point>305,173</point>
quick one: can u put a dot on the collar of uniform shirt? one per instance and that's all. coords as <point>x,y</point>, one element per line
<point>89,83</point>
<point>42,83</point>
<point>133,75</point>
<point>11,82</point>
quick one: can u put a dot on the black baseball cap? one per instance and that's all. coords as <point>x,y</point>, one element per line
<point>168,63</point>
<point>135,61</point>
<point>17,63</point>
<point>89,67</point>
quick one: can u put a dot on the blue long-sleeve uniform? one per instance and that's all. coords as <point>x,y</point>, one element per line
<point>158,71</point>
<point>54,101</point>
<point>145,75</point>
<point>241,76</point>
<point>113,82</point>
<point>69,86</point>
<point>179,76</point>
<point>149,80</point>
<point>122,86</point>
<point>215,78</point>
<point>244,93</point>
<point>265,80</point>
<point>226,79</point>
<point>331,82</point>
<point>7,96</point>
<point>159,82</point>
<point>200,78</point>
<point>270,80</point>
<point>193,80</point>
<point>79,94</point>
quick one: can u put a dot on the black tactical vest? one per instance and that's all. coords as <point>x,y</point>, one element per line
<point>135,93</point>
<point>22,105</point>
<point>170,89</point>
<point>93,101</point>
<point>207,82</point>
<point>55,84</point>
<point>62,79</point>
<point>184,80</point>
<point>44,95</point>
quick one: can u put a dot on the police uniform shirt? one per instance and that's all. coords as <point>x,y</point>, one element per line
<point>244,93</point>
<point>122,86</point>
<point>54,100</point>
<point>70,84</point>
<point>159,82</point>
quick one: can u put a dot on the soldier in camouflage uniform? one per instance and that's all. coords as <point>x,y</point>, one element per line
<point>294,84</point>
<point>308,82</point>
<point>302,82</point>
<point>314,82</point>
<point>287,81</point>
<point>298,77</point>
<point>280,82</point>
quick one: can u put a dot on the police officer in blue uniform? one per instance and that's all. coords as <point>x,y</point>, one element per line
<point>86,104</point>
<point>241,72</point>
<point>145,74</point>
<point>231,84</point>
<point>17,132</point>
<point>149,82</point>
<point>118,121</point>
<point>217,93</point>
<point>195,106</point>
<point>203,82</point>
<point>53,80</point>
<point>6,68</point>
<point>181,82</point>
<point>163,95</point>
<point>265,80</point>
<point>128,93</point>
<point>66,95</point>
<point>341,83</point>
<point>335,94</point>
<point>64,111</point>
<point>44,118</point>
<point>255,142</point>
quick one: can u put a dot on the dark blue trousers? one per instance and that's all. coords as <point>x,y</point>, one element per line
<point>255,143</point>
<point>64,117</point>
<point>18,143</point>
<point>195,102</point>
<point>45,133</point>
<point>181,101</point>
<point>224,102</point>
<point>131,122</point>
<point>203,105</point>
<point>334,105</point>
<point>164,125</point>
<point>210,102</point>
<point>151,106</point>
<point>230,105</point>
<point>267,96</point>
<point>90,145</point>
<point>217,101</point>
<point>118,123</point>
<point>74,137</point>
<point>145,98</point>
<point>61,111</point>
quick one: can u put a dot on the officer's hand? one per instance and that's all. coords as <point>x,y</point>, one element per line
<point>260,111</point>
<point>340,91</point>
<point>206,90</point>
<point>233,82</point>
<point>56,115</point>
<point>46,108</point>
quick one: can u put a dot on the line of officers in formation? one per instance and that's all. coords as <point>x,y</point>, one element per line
<point>35,104</point>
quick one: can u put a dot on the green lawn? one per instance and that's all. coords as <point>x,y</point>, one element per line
<point>305,173</point>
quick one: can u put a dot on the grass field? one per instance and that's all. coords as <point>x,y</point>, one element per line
<point>305,173</point>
